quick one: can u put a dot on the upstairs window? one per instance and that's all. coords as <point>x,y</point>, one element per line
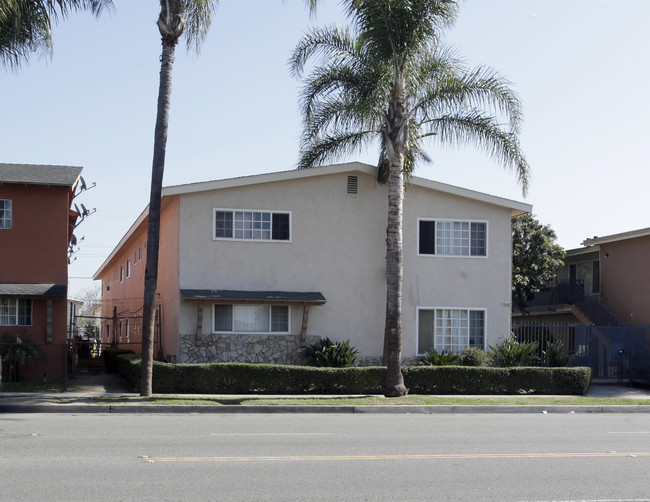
<point>5,214</point>
<point>252,225</point>
<point>452,238</point>
<point>251,318</point>
<point>15,312</point>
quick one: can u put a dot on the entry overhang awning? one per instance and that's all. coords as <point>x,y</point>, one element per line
<point>34,290</point>
<point>233,296</point>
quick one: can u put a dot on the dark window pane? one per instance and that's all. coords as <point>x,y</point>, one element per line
<point>596,277</point>
<point>24,312</point>
<point>478,239</point>
<point>223,317</point>
<point>281,227</point>
<point>280,318</point>
<point>223,224</point>
<point>427,237</point>
<point>476,328</point>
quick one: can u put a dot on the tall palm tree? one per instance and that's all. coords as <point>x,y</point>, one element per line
<point>387,79</point>
<point>190,18</point>
<point>26,25</point>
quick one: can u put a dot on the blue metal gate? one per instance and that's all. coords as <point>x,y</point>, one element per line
<point>615,354</point>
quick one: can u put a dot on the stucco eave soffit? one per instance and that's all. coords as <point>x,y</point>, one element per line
<point>256,179</point>
<point>517,208</point>
<point>582,251</point>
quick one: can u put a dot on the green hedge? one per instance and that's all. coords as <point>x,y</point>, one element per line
<point>239,378</point>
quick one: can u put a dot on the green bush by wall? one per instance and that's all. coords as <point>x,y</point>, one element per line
<point>241,378</point>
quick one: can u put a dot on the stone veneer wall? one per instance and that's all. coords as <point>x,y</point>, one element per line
<point>268,349</point>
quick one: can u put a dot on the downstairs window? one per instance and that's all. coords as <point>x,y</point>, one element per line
<point>450,330</point>
<point>15,312</point>
<point>251,319</point>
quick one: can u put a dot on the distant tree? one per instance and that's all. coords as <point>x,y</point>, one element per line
<point>535,258</point>
<point>92,303</point>
<point>26,26</point>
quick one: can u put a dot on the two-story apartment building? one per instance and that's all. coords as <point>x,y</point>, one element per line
<point>36,225</point>
<point>252,268</point>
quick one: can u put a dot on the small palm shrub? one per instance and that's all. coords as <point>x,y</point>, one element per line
<point>16,352</point>
<point>511,352</point>
<point>326,353</point>
<point>472,356</point>
<point>555,355</point>
<point>434,358</point>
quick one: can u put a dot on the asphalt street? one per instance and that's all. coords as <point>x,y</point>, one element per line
<point>273,457</point>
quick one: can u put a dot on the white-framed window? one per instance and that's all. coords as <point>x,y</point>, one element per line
<point>450,329</point>
<point>15,311</point>
<point>252,225</point>
<point>128,268</point>
<point>121,273</point>
<point>251,318</point>
<point>442,237</point>
<point>5,214</point>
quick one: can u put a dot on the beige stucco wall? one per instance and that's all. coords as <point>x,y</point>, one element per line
<point>337,248</point>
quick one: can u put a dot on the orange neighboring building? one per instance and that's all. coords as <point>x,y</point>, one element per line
<point>36,225</point>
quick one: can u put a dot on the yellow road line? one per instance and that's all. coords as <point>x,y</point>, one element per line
<point>447,456</point>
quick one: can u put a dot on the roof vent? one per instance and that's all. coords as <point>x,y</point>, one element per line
<point>353,187</point>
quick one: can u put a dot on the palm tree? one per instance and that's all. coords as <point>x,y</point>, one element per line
<point>26,25</point>
<point>389,80</point>
<point>177,18</point>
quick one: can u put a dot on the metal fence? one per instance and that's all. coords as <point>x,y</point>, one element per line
<point>617,354</point>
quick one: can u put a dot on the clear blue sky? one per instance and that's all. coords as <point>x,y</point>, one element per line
<point>579,66</point>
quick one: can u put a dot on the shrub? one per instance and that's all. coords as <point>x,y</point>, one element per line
<point>18,350</point>
<point>556,355</point>
<point>511,353</point>
<point>433,358</point>
<point>472,356</point>
<point>326,353</point>
<point>241,378</point>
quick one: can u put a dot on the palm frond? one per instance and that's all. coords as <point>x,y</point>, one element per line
<point>333,147</point>
<point>336,46</point>
<point>446,90</point>
<point>486,134</point>
<point>199,17</point>
<point>341,95</point>
<point>26,26</point>
<point>397,28</point>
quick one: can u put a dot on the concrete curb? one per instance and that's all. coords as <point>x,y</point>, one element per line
<point>404,409</point>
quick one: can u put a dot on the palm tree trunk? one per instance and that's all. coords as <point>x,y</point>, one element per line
<point>153,230</point>
<point>394,384</point>
<point>396,133</point>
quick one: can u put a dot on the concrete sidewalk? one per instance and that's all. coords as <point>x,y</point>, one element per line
<point>111,388</point>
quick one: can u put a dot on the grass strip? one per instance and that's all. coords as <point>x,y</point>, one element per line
<point>410,400</point>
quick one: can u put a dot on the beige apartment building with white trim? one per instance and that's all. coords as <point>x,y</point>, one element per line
<point>253,268</point>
